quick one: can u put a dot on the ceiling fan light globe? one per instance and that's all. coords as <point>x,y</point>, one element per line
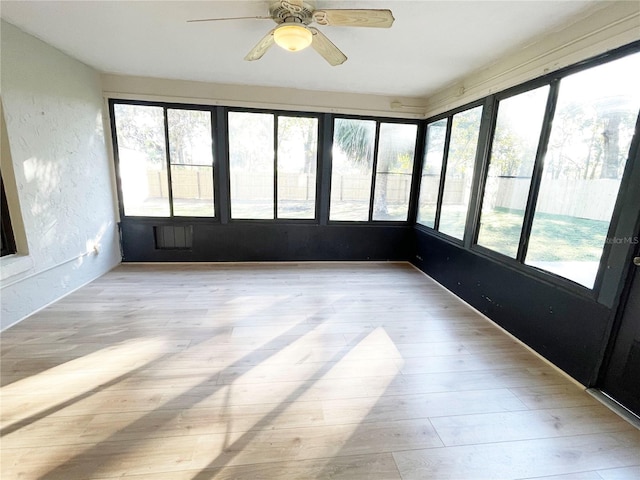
<point>293,37</point>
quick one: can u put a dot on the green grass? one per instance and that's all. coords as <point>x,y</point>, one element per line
<point>553,237</point>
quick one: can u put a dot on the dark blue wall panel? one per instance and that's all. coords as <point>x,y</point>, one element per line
<point>248,242</point>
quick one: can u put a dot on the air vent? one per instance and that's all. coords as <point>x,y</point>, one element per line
<point>173,237</point>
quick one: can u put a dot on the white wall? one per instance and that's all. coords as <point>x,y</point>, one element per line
<point>182,91</point>
<point>62,179</point>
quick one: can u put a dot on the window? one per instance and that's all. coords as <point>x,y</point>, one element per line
<point>157,183</point>
<point>431,172</point>
<point>359,148</point>
<point>272,164</point>
<point>297,164</point>
<point>166,158</point>
<point>251,166</point>
<point>394,168</point>
<point>513,153</point>
<point>142,160</point>
<point>191,154</point>
<point>8,244</point>
<point>461,158</point>
<point>593,125</point>
<point>352,169</point>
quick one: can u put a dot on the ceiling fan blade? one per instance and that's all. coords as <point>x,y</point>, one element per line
<point>354,18</point>
<point>326,48</point>
<point>227,18</point>
<point>261,48</point>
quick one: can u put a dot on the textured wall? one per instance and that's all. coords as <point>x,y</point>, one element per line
<point>54,119</point>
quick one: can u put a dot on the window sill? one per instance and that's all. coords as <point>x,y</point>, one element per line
<point>12,265</point>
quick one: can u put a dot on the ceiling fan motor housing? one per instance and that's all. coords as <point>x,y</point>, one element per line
<point>294,12</point>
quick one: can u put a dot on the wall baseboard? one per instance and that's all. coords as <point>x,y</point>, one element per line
<point>51,302</point>
<point>511,336</point>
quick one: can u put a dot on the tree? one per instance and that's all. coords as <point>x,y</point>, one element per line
<point>590,140</point>
<point>356,139</point>
<point>141,128</point>
<point>189,136</point>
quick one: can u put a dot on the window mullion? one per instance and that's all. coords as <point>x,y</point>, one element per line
<point>538,168</point>
<point>418,162</point>
<point>221,165</point>
<point>213,172</point>
<point>325,144</point>
<point>168,160</point>
<point>374,169</point>
<point>276,119</point>
<point>485,135</point>
<point>443,173</point>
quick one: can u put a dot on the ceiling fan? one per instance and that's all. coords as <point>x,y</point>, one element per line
<point>293,32</point>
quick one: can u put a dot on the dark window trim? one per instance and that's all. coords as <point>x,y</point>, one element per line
<point>167,157</point>
<point>410,220</point>
<point>220,171</point>
<point>213,122</point>
<point>412,185</point>
<point>538,170</point>
<point>443,170</point>
<point>553,80</point>
<point>416,175</point>
<point>276,128</point>
<point>481,166</point>
<point>374,172</point>
<point>445,160</point>
<point>112,102</point>
<point>276,116</point>
<point>527,220</point>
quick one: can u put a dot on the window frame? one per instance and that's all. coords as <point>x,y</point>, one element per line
<point>445,160</point>
<point>417,152</point>
<point>601,292</point>
<point>112,102</point>
<point>319,155</point>
<point>536,174</point>
<point>221,180</point>
<point>170,164</point>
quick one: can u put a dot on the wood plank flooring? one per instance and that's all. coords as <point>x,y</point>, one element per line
<point>289,371</point>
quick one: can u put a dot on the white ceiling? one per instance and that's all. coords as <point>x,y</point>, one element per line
<point>431,44</point>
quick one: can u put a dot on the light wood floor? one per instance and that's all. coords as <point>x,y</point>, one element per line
<point>297,371</point>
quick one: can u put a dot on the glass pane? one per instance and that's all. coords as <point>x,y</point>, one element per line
<point>142,160</point>
<point>465,129</point>
<point>396,152</point>
<point>190,146</point>
<point>251,168</point>
<point>431,173</point>
<point>297,163</point>
<point>513,154</point>
<point>353,143</point>
<point>192,190</point>
<point>588,149</point>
